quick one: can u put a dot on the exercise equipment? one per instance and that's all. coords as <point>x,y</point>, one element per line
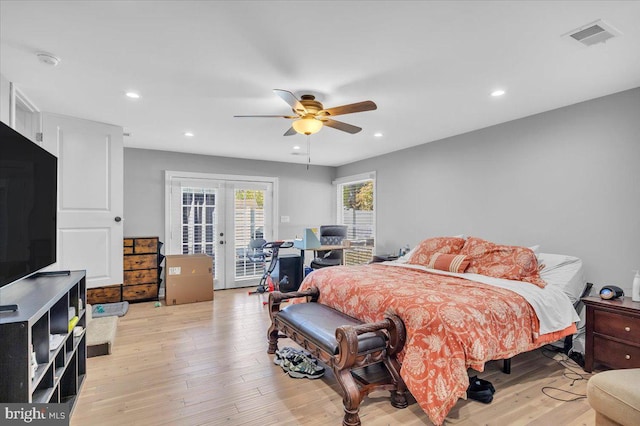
<point>266,282</point>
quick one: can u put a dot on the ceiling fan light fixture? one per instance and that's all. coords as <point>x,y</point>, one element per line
<point>49,59</point>
<point>307,125</point>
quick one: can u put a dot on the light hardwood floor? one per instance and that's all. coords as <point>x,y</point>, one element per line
<point>206,364</point>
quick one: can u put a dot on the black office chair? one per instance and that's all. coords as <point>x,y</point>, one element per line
<point>330,235</point>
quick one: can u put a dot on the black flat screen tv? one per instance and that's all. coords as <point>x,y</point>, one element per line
<point>28,194</point>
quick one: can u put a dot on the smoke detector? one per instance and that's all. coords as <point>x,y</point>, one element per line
<point>593,33</point>
<point>48,59</point>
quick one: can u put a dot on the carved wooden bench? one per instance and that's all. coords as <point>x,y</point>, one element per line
<point>343,343</point>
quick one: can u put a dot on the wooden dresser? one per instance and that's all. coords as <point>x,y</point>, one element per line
<point>141,265</point>
<point>613,333</point>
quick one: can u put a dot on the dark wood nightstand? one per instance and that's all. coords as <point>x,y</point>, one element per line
<point>613,333</point>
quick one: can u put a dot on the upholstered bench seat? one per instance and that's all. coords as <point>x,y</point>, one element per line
<point>319,324</point>
<point>343,343</point>
<point>615,397</point>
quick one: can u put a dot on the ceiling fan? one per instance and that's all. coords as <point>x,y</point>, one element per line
<point>310,115</point>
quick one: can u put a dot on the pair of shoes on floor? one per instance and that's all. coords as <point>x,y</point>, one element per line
<point>288,353</point>
<point>480,390</point>
<point>298,363</point>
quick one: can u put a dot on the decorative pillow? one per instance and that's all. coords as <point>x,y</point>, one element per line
<point>430,246</point>
<point>449,262</point>
<point>499,261</point>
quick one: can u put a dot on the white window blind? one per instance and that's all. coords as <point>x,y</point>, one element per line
<point>198,220</point>
<point>356,209</point>
<point>249,220</point>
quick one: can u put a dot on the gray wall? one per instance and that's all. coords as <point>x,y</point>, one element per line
<point>5,100</point>
<point>306,196</point>
<point>567,179</point>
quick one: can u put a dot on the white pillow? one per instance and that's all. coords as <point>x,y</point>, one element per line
<point>405,258</point>
<point>564,272</point>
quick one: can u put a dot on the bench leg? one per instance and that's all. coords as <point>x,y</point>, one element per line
<point>351,397</point>
<point>272,337</point>
<point>398,396</point>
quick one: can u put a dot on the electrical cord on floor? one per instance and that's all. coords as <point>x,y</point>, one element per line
<point>569,364</point>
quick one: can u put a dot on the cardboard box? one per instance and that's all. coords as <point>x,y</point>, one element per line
<point>189,278</point>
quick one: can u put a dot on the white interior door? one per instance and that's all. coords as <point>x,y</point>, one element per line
<point>90,195</point>
<point>220,217</point>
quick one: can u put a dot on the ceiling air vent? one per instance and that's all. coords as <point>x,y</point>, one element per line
<point>593,33</point>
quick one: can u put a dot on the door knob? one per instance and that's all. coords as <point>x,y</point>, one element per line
<point>118,219</point>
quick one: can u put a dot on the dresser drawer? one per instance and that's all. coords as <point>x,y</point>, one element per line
<point>145,245</point>
<point>612,324</point>
<point>141,276</point>
<point>107,294</point>
<point>139,292</point>
<point>127,246</point>
<point>615,354</point>
<point>140,261</point>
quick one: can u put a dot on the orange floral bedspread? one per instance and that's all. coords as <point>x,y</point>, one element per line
<point>452,324</point>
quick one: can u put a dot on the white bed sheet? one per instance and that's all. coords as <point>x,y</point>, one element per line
<point>552,306</point>
<point>564,272</point>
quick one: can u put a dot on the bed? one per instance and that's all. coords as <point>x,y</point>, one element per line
<point>458,320</point>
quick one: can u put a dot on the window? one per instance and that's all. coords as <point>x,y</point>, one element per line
<point>198,220</point>
<point>356,209</point>
<point>198,223</point>
<point>249,219</point>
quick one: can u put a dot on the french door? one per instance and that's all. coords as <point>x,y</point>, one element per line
<point>221,218</point>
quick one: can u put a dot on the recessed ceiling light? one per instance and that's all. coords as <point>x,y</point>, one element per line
<point>133,95</point>
<point>188,134</point>
<point>497,93</point>
<point>296,147</point>
<point>377,135</point>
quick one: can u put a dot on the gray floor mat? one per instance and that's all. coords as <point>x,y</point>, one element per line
<point>109,309</point>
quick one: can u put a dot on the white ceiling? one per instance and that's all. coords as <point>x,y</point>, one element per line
<point>429,66</point>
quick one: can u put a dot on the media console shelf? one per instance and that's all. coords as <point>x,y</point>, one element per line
<point>44,304</point>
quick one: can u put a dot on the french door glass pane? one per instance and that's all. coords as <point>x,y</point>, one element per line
<point>199,221</point>
<point>249,222</point>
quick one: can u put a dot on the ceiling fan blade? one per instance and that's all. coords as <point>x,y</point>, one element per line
<point>351,108</point>
<point>339,125</point>
<point>293,102</point>
<point>290,132</point>
<point>266,116</point>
